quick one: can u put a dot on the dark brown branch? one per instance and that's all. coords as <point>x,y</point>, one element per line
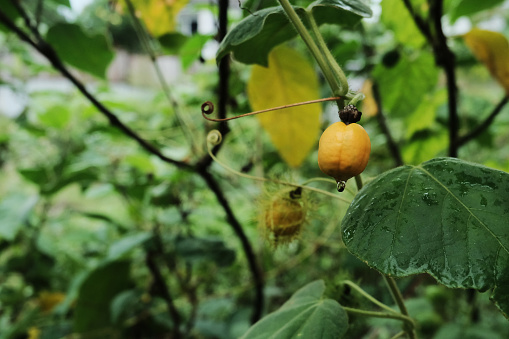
<point>164,292</point>
<point>445,58</point>
<point>393,146</point>
<point>248,250</point>
<point>419,21</point>
<point>485,124</point>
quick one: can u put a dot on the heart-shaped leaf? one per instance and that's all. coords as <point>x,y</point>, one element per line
<point>446,217</point>
<point>253,38</point>
<point>305,315</point>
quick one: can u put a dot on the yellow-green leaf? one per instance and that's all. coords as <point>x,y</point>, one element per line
<point>289,79</point>
<point>159,16</point>
<point>492,49</point>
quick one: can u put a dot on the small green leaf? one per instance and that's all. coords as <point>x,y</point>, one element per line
<point>191,49</point>
<point>14,210</point>
<point>96,293</point>
<point>91,54</point>
<point>446,217</point>
<point>57,116</point>
<point>205,249</point>
<point>127,244</point>
<point>253,38</point>
<point>305,315</point>
<point>172,42</point>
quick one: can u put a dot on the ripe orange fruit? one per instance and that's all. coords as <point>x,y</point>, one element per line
<point>343,151</point>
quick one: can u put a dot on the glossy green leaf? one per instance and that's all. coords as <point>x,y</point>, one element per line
<point>305,315</point>
<point>14,210</point>
<point>205,249</point>
<point>446,217</point>
<point>96,293</point>
<point>404,86</point>
<point>253,38</point>
<point>468,7</point>
<point>88,53</point>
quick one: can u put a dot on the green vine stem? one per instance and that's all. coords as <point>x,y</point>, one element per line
<point>338,72</point>
<point>368,296</point>
<point>313,48</point>
<point>398,298</point>
<point>407,320</point>
<point>215,138</point>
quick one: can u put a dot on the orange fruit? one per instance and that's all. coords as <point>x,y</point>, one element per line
<point>343,151</point>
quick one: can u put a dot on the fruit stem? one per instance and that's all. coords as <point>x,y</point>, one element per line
<point>313,48</point>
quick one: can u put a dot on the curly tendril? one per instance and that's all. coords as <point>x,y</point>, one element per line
<point>214,137</point>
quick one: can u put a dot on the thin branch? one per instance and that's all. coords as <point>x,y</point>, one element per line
<point>485,124</point>
<point>421,23</point>
<point>445,58</point>
<point>391,144</point>
<point>248,250</point>
<point>165,292</point>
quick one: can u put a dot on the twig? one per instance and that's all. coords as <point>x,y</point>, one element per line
<point>398,298</point>
<point>248,250</point>
<point>485,124</point>
<point>391,144</point>
<point>165,292</point>
<point>446,59</point>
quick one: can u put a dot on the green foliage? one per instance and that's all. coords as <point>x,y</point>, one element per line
<point>97,292</point>
<point>90,53</point>
<point>251,40</point>
<point>140,248</point>
<point>442,217</point>
<point>304,315</point>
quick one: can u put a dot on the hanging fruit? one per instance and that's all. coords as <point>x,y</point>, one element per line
<point>344,147</point>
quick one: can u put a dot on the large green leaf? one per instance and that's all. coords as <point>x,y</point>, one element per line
<point>90,53</point>
<point>446,217</point>
<point>96,293</point>
<point>404,86</point>
<point>253,38</point>
<point>305,315</point>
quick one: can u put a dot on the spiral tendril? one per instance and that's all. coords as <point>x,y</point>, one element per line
<point>214,137</point>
